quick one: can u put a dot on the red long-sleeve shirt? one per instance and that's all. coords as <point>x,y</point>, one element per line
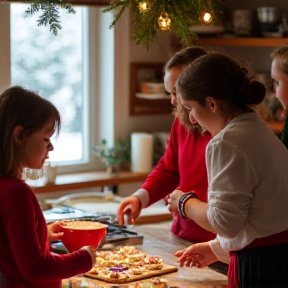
<point>25,257</point>
<point>183,166</point>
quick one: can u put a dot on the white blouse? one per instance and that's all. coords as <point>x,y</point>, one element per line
<point>248,182</point>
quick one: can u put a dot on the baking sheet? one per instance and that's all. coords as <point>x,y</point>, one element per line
<point>167,268</point>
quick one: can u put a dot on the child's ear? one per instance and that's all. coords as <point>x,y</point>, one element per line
<point>212,104</point>
<point>17,135</point>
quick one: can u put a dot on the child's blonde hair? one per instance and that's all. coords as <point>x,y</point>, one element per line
<point>282,54</point>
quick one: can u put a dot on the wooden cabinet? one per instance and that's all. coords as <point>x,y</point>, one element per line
<point>233,42</point>
<point>145,103</point>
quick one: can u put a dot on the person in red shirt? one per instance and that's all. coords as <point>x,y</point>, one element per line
<point>183,164</point>
<point>27,122</point>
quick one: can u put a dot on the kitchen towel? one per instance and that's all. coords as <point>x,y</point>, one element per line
<point>141,152</point>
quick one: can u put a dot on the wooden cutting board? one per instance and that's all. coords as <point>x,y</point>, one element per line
<point>167,268</point>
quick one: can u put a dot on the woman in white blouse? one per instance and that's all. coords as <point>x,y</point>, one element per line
<point>247,172</point>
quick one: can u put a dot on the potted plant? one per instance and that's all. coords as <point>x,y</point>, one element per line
<point>114,158</point>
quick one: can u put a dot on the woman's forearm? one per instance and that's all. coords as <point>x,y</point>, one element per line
<point>197,211</point>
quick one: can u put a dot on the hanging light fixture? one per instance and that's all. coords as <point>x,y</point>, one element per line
<point>144,6</point>
<point>206,17</point>
<point>164,21</point>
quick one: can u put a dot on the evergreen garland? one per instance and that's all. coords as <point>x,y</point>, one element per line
<point>50,12</point>
<point>183,15</point>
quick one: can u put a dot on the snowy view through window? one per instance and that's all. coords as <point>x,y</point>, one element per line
<point>52,67</point>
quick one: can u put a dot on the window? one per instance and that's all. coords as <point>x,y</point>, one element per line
<point>53,67</point>
<point>65,69</point>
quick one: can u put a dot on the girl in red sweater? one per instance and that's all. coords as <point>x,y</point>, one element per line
<point>27,122</point>
<point>183,164</point>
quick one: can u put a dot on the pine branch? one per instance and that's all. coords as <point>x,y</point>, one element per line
<point>34,8</point>
<point>118,8</point>
<point>50,13</point>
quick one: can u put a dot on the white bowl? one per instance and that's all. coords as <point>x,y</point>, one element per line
<point>152,87</point>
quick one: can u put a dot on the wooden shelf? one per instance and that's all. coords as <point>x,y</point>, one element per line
<point>139,106</point>
<point>247,42</point>
<point>89,179</point>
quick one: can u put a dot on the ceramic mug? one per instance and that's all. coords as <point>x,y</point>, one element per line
<point>242,22</point>
<point>268,14</point>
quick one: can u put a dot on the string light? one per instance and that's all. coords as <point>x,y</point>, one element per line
<point>153,16</point>
<point>164,22</point>
<point>144,6</point>
<point>206,17</point>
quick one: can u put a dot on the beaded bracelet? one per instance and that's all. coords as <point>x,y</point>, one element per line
<point>182,202</point>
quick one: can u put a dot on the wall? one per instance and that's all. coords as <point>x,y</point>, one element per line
<point>126,51</point>
<point>258,57</point>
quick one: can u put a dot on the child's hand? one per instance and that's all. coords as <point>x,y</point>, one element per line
<point>92,253</point>
<point>173,200</point>
<point>54,231</point>
<point>197,255</point>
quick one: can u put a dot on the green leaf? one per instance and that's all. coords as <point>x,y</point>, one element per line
<point>116,155</point>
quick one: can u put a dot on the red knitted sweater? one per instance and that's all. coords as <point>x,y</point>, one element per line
<point>25,257</point>
<point>183,166</point>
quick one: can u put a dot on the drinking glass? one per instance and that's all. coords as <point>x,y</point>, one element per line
<point>31,176</point>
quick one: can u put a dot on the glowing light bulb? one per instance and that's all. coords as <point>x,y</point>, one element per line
<point>206,17</point>
<point>164,22</point>
<point>144,6</point>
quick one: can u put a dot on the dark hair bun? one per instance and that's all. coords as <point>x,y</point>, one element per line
<point>253,92</point>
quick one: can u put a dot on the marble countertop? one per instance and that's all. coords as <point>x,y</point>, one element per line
<point>158,240</point>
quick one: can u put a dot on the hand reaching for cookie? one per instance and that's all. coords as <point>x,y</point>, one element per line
<point>197,255</point>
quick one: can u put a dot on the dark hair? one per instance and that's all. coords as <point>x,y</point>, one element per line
<point>184,57</point>
<point>21,107</point>
<point>223,78</point>
<point>179,60</point>
<point>282,54</point>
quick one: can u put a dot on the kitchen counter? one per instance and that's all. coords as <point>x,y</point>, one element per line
<point>158,240</point>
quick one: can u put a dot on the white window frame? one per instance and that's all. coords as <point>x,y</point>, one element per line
<point>99,86</point>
